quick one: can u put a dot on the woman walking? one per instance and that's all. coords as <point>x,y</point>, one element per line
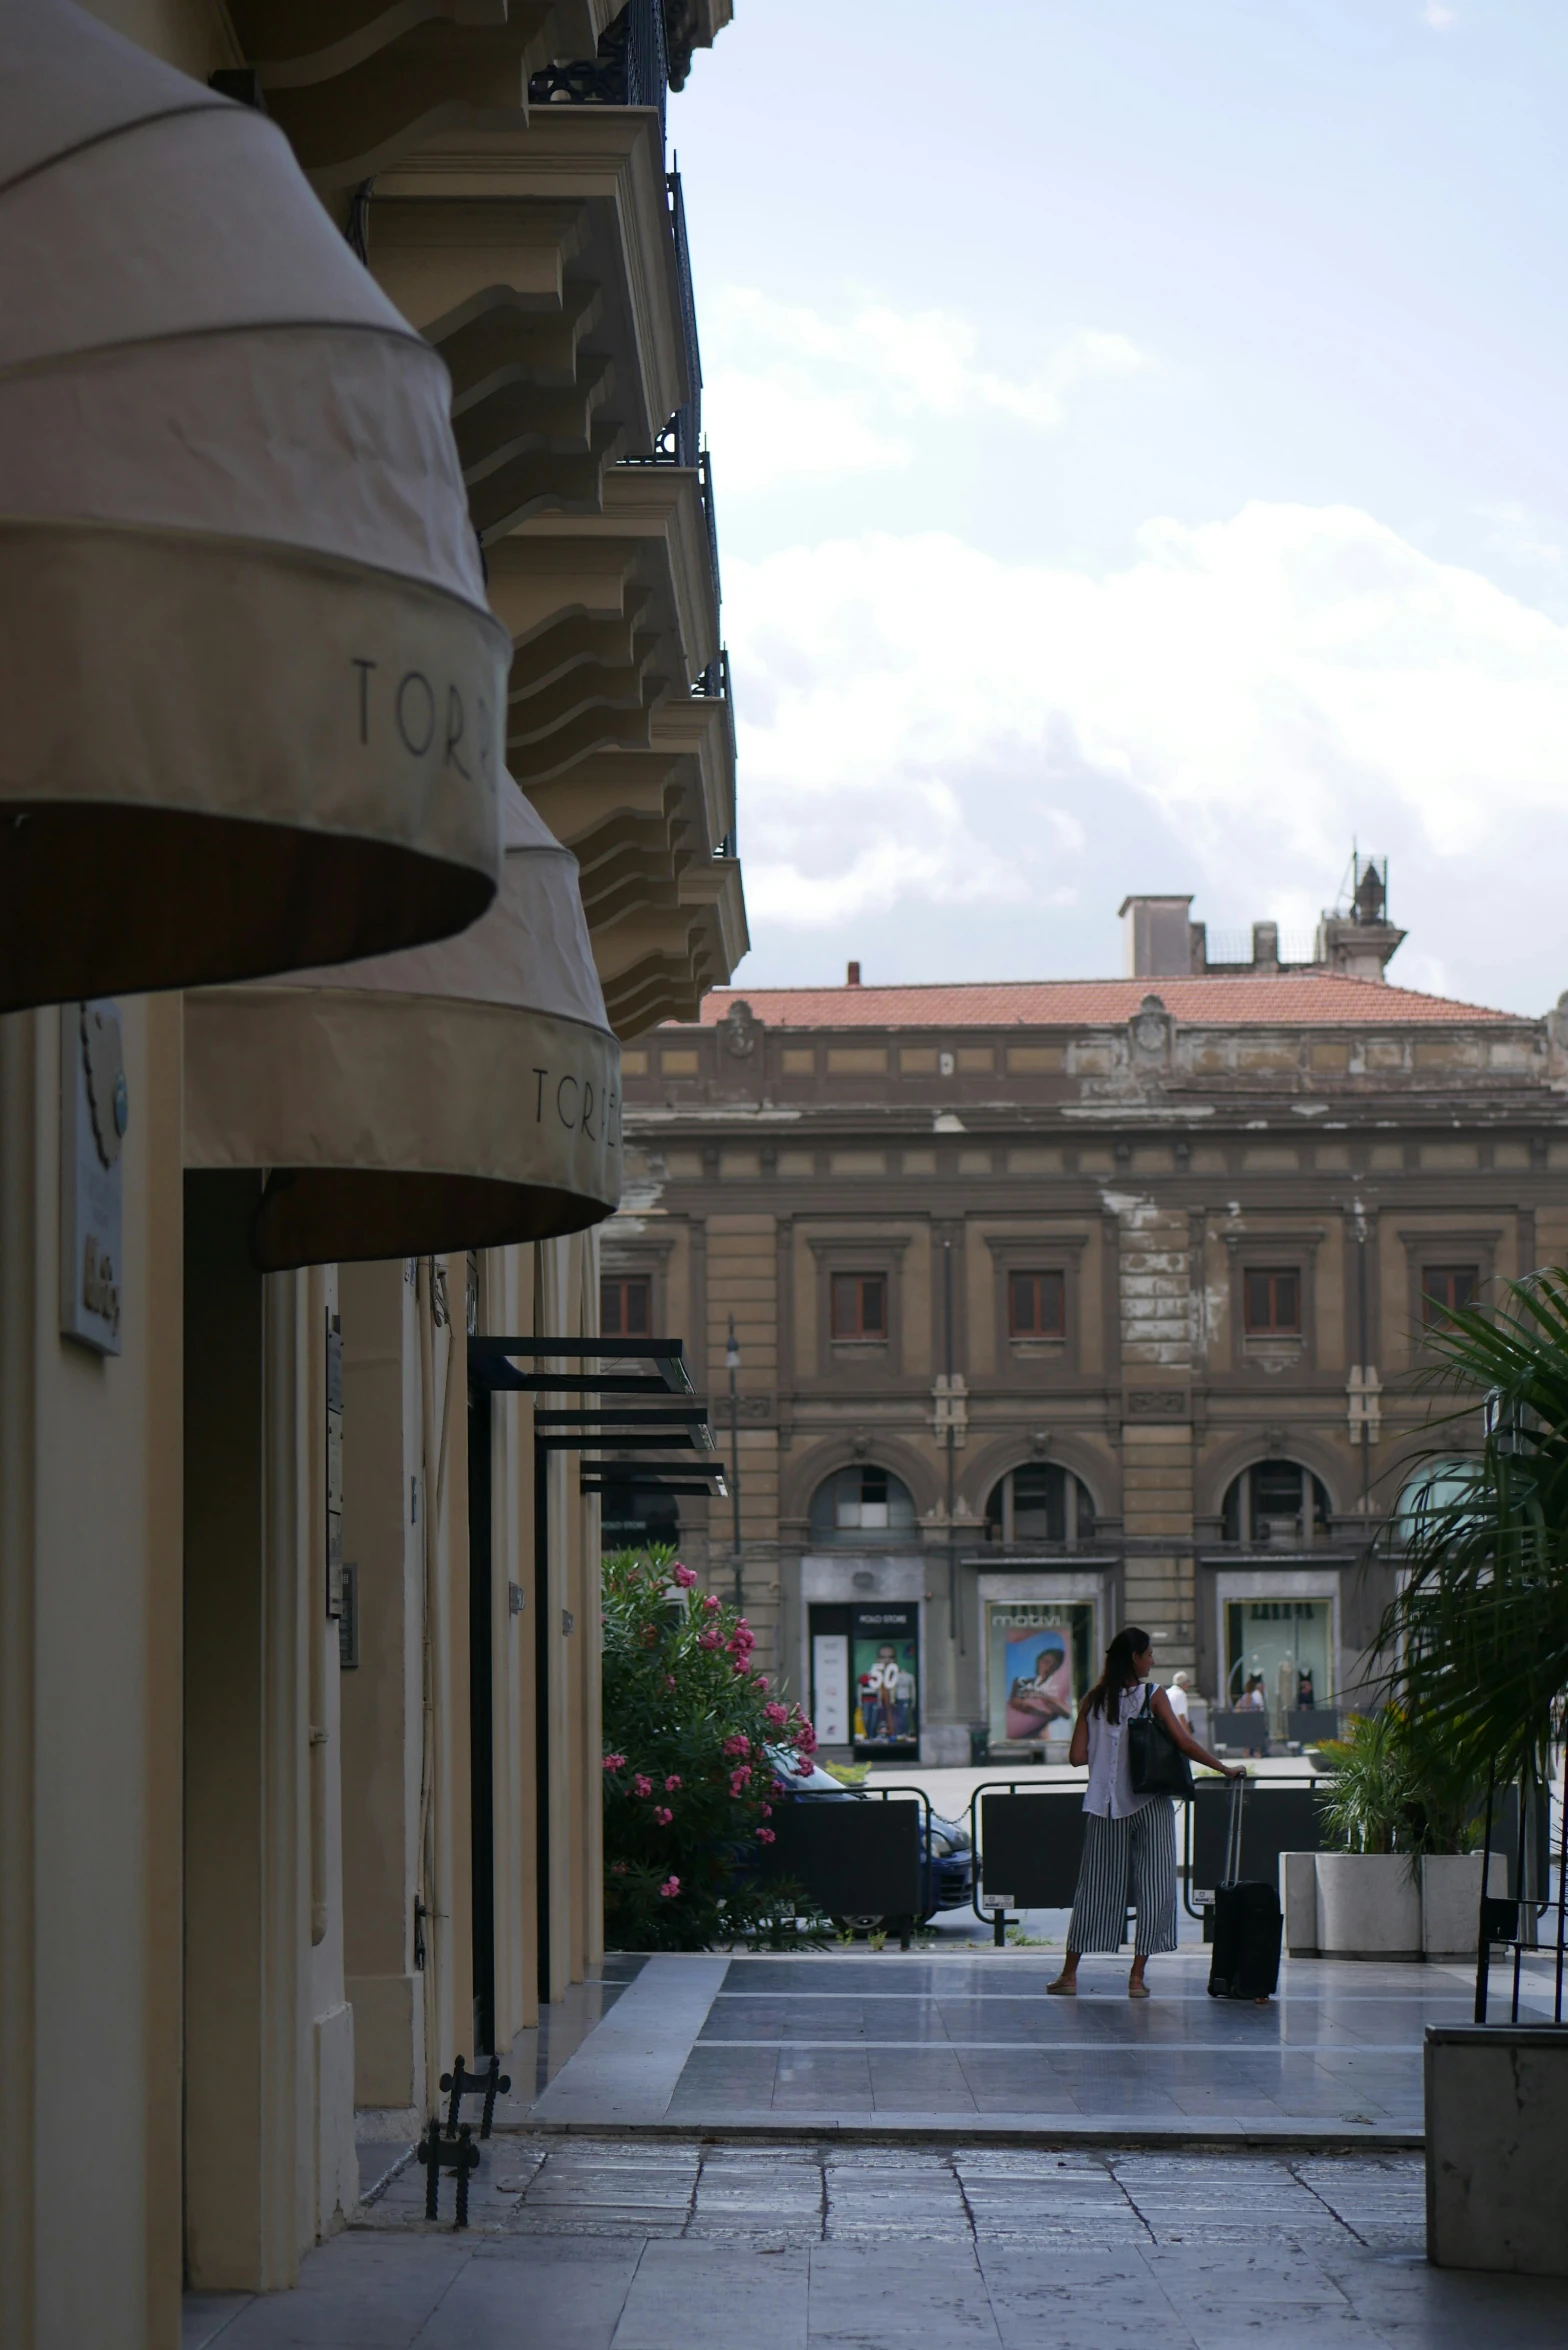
<point>1129,1841</point>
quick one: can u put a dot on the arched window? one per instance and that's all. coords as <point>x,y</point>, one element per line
<point>861,1504</point>
<point>1434,1499</point>
<point>1039,1503</point>
<point>1276,1505</point>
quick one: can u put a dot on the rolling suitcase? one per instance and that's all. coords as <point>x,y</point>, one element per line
<point>1248,1924</point>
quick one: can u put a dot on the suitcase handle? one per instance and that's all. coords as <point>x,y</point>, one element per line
<point>1238,1792</point>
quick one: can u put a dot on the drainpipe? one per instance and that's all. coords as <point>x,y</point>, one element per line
<point>1366,1401</point>
<point>954,1614</point>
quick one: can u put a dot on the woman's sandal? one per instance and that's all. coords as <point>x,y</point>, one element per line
<point>1062,1989</point>
<point>1137,1990</point>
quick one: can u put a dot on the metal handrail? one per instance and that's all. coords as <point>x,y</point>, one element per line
<point>687,421</point>
<point>1501,1924</point>
<point>705,487</point>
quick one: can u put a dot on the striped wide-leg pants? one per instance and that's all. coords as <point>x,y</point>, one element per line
<point>1127,1864</point>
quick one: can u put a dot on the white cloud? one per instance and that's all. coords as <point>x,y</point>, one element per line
<point>853,388</point>
<point>923,724</point>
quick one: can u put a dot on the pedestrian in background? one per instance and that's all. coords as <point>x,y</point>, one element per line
<point>1129,1841</point>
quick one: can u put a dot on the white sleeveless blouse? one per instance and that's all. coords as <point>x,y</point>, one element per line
<point>1109,1793</point>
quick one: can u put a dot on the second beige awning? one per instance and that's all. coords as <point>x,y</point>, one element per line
<point>463,1095</point>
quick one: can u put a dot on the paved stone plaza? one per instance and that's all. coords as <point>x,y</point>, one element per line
<point>627,2244</point>
<point>970,2041</point>
<point>859,2147</point>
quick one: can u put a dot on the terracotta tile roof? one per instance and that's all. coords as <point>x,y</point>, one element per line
<point>1295,999</point>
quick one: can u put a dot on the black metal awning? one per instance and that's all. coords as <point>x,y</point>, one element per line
<point>645,1423</point>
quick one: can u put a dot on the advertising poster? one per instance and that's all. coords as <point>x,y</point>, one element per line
<point>1039,1668</point>
<point>884,1672</point>
<point>830,1687</point>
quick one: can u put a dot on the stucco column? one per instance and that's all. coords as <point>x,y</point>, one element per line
<point>89,1723</point>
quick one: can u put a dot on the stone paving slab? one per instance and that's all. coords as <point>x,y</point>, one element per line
<point>806,2244</point>
<point>947,2045</point>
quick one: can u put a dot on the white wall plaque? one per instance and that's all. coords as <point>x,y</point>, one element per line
<point>94,1113</point>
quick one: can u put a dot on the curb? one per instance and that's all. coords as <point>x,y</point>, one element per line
<point>1052,2132</point>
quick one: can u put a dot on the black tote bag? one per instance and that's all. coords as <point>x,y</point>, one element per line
<point>1156,1762</point>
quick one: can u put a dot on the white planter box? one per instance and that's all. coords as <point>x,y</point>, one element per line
<point>1369,1905</point>
<point>1495,2099</point>
<point>1298,1901</point>
<point>1451,1904</point>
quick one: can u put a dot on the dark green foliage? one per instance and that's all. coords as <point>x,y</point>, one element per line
<point>1477,1641</point>
<point>689,1791</point>
<point>1395,1789</point>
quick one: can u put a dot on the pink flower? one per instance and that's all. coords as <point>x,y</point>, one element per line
<point>615,1762</point>
<point>642,1785</point>
<point>617,1868</point>
<point>707,1640</point>
<point>774,1712</point>
<point>672,1783</point>
<point>670,1681</point>
<point>740,1777</point>
<point>669,1889</point>
<point>766,1836</point>
<point>710,1606</point>
<point>761,1681</point>
<point>778,1788</point>
<point>684,1577</point>
<point>737,1743</point>
<point>767,1811</point>
<point>806,1737</point>
<point>803,1766</point>
<point>663,1814</point>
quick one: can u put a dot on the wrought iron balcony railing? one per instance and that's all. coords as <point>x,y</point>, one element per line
<point>681,440</point>
<point>630,68</point>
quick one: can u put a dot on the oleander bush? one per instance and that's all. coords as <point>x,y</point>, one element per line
<point>689,1789</point>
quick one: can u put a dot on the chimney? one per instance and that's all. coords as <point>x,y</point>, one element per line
<point>1157,935</point>
<point>852,975</point>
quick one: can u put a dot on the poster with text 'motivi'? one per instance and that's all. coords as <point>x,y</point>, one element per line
<point>1038,1669</point>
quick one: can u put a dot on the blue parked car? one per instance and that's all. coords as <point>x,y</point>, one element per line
<point>949,1856</point>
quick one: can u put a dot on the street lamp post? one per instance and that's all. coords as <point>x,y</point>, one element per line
<point>732,1361</point>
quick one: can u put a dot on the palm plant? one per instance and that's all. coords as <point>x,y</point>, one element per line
<point>1396,1788</point>
<point>1476,1641</point>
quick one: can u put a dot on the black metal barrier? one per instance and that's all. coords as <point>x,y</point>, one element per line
<point>1274,1819</point>
<point>856,1857</point>
<point>1027,1847</point>
<point>1028,1841</point>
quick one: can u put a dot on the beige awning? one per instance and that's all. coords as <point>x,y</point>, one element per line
<point>251,698</point>
<point>453,1096</point>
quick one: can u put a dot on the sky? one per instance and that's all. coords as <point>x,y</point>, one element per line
<point>1140,443</point>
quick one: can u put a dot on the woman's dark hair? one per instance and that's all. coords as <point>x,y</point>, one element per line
<point>1120,1671</point>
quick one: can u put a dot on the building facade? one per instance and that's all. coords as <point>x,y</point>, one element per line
<point>381,585</point>
<point>1069,1304</point>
